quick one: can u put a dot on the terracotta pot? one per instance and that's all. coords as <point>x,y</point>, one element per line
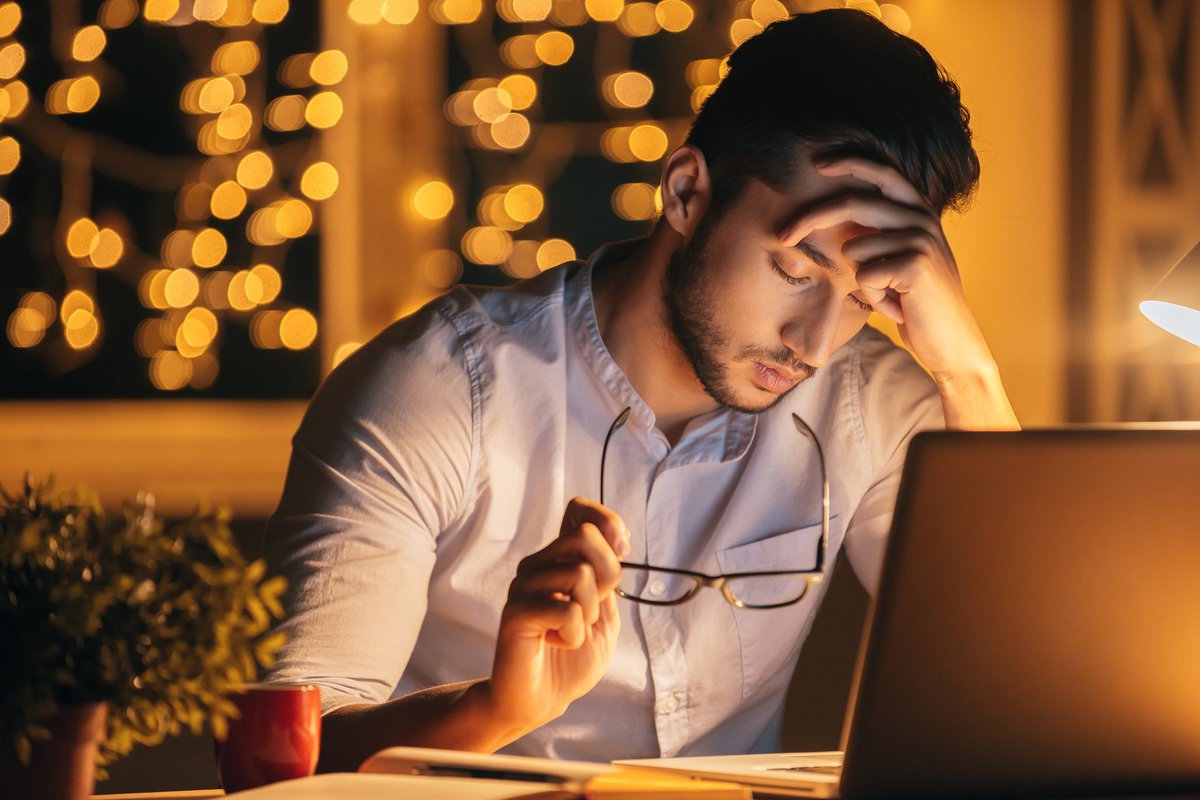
<point>63,768</point>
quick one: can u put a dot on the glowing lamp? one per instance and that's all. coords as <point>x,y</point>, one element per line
<point>1174,305</point>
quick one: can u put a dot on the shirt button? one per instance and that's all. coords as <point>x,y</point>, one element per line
<point>669,706</point>
<point>656,588</point>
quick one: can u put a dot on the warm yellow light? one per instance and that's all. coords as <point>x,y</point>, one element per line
<point>674,15</point>
<point>214,289</point>
<point>323,110</point>
<point>634,201</point>
<point>491,210</point>
<point>491,104</point>
<point>433,200</point>
<point>148,338</point>
<point>553,252</point>
<point>638,19</point>
<point>628,89</point>
<point>209,248</point>
<point>869,6</point>
<point>107,249</point>
<point>264,329</point>
<point>216,96</point>
<point>524,10</point>
<point>180,288</point>
<point>160,10</point>
<point>487,245</point>
<point>365,12</point>
<point>520,52</point>
<point>524,203</point>
<point>510,131</point>
<point>765,12</point>
<point>228,200</point>
<point>152,289</point>
<point>26,328</point>
<point>77,95</point>
<point>286,113</point>
<point>42,303</point>
<point>245,291</point>
<point>196,332</point>
<point>343,352</point>
<point>295,70</point>
<point>260,228</point>
<point>238,13</point>
<point>554,48</point>
<point>522,90</point>
<point>614,143</point>
<point>441,268</point>
<point>12,58</point>
<point>176,248</point>
<point>703,72</point>
<point>236,58</point>
<point>5,216</point>
<point>647,142</point>
<point>118,13</point>
<point>319,181</point>
<point>329,67</point>
<point>270,280</point>
<point>270,12</point>
<point>297,329</point>
<point>234,122</point>
<point>81,329</point>
<point>895,18</point>
<point>76,300</point>
<point>88,43</point>
<point>81,237</point>
<point>604,10</point>
<point>399,12</point>
<point>10,18</point>
<point>18,98</point>
<point>209,10</point>
<point>456,12</point>
<point>169,370</point>
<point>293,219</point>
<point>743,29</point>
<point>255,169</point>
<point>522,262</point>
<point>699,95</point>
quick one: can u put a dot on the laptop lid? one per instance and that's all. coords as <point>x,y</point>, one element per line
<point>1037,627</point>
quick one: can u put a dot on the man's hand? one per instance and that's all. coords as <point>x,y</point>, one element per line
<point>907,272</point>
<point>560,625</point>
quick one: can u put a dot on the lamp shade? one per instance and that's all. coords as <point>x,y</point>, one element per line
<point>1174,305</point>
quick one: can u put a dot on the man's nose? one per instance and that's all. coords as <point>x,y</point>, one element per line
<point>812,336</point>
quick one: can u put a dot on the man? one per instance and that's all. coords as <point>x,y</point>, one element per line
<point>440,594</point>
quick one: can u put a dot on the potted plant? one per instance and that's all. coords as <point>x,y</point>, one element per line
<point>114,631</point>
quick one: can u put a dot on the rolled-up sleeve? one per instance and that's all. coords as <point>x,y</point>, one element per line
<point>379,467</point>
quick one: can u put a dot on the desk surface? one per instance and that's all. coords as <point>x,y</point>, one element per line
<point>191,794</point>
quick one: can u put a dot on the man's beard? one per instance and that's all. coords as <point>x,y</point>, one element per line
<point>692,318</point>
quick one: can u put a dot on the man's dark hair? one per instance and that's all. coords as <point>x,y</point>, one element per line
<point>845,84</point>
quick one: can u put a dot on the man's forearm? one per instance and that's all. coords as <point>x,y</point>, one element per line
<point>976,401</point>
<point>456,716</point>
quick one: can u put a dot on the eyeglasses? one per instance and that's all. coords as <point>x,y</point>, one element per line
<point>662,586</point>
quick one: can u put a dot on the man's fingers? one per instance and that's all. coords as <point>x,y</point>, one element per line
<point>888,179</point>
<point>572,581</point>
<point>584,544</point>
<point>582,510</point>
<point>555,619</point>
<point>869,211</point>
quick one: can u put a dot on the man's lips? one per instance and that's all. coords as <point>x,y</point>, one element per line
<point>776,379</point>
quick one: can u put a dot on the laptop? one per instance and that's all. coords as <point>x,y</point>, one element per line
<point>1036,630</point>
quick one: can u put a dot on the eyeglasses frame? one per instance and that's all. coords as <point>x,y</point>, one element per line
<point>701,580</point>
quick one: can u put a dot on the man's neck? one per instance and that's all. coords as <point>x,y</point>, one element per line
<point>628,298</point>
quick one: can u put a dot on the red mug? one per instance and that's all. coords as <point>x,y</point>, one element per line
<point>277,735</point>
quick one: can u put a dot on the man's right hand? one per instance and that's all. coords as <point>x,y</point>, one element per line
<point>559,627</point>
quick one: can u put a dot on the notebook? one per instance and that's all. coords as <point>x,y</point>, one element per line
<point>1036,629</point>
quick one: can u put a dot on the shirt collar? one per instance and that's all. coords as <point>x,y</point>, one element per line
<point>721,435</point>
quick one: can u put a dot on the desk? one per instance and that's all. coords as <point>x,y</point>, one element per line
<point>191,794</point>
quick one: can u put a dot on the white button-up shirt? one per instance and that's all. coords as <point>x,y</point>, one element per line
<point>446,449</point>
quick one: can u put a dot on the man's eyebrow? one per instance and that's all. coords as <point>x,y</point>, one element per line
<point>819,258</point>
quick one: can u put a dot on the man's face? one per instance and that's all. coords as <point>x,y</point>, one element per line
<point>753,317</point>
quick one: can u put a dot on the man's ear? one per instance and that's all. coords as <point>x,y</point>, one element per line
<point>686,189</point>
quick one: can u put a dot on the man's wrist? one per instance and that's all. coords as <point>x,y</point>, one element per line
<point>499,723</point>
<point>975,399</point>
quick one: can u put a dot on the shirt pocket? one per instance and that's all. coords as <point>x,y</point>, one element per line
<point>770,638</point>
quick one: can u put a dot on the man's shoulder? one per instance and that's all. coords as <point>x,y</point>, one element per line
<point>470,307</point>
